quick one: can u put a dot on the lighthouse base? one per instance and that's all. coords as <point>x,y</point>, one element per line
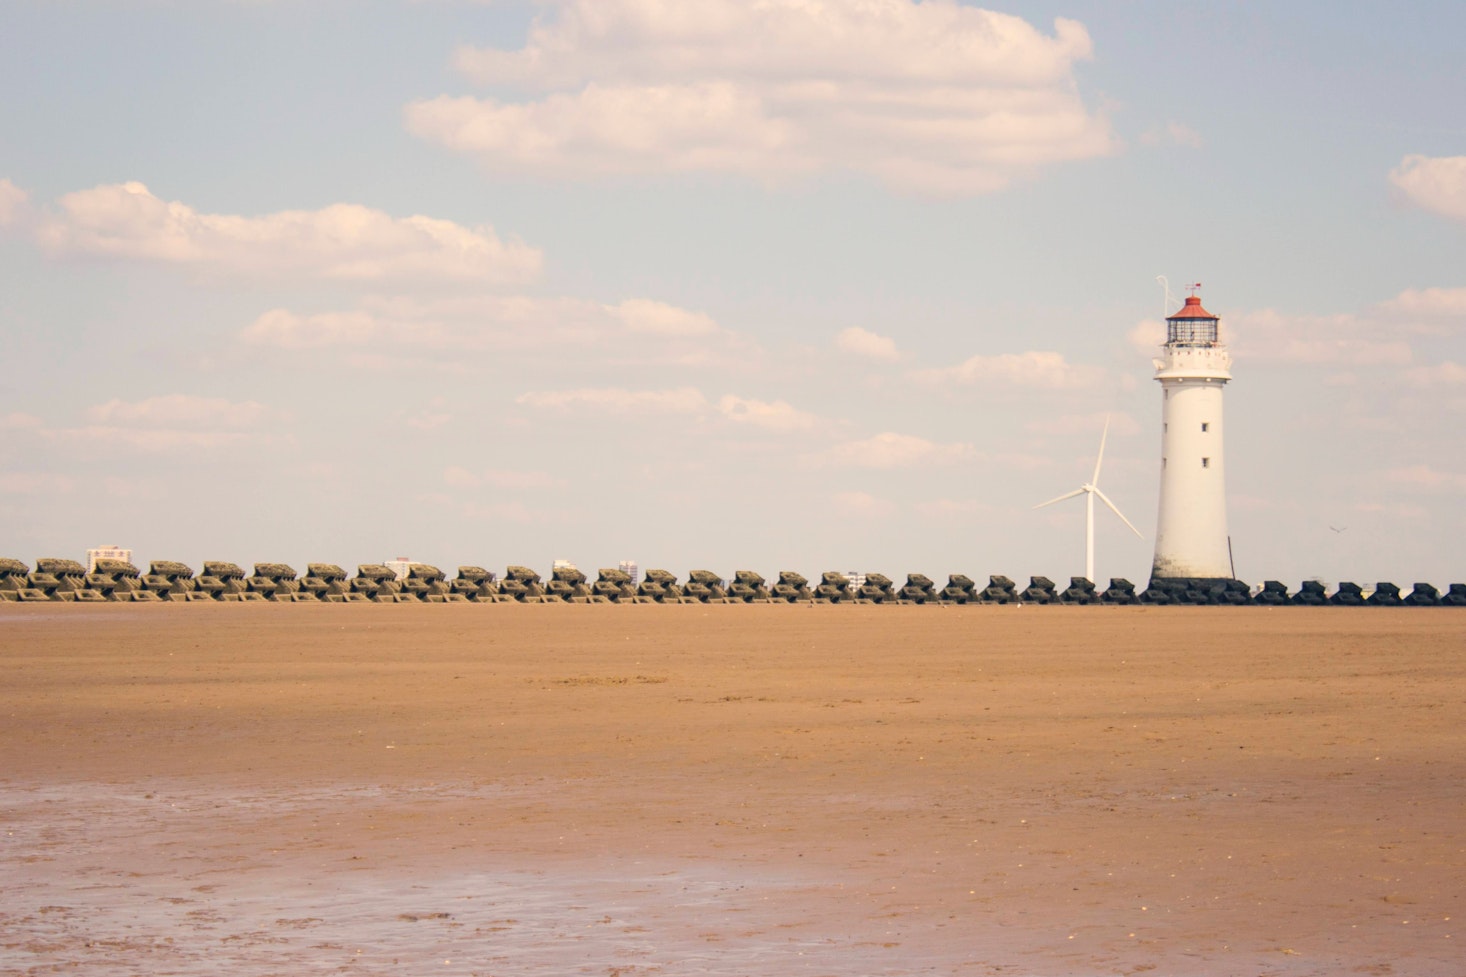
<point>1196,590</point>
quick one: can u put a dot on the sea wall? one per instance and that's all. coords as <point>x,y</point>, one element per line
<point>63,581</point>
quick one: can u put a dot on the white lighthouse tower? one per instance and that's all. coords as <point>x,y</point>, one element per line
<point>1191,529</point>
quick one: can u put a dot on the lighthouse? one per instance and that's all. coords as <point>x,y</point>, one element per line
<point>1191,528</point>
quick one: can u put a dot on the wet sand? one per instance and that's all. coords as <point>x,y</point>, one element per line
<point>509,789</point>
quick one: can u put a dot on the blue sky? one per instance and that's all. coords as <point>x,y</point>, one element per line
<point>841,285</point>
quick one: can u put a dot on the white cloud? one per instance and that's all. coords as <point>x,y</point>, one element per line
<point>1120,424</point>
<point>682,400</point>
<point>1147,335</point>
<point>17,421</point>
<point>459,477</point>
<point>861,342</point>
<point>861,505</point>
<point>635,331</point>
<point>1435,184</point>
<point>931,97</point>
<point>435,414</point>
<point>1172,133</point>
<point>36,483</point>
<point>891,450</point>
<point>151,439</point>
<point>1448,373</point>
<point>1268,336</point>
<point>1428,303</point>
<point>343,241</point>
<point>181,410</point>
<point>1037,369</point>
<point>287,330</point>
<point>958,510</point>
<point>661,319</point>
<point>12,203</point>
<point>174,422</point>
<point>1427,479</point>
<point>774,415</point>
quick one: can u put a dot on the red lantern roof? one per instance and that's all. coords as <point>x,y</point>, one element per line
<point>1192,310</point>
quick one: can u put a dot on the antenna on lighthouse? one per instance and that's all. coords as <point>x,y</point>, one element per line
<point>1169,303</point>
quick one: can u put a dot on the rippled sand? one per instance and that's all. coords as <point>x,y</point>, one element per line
<point>506,790</point>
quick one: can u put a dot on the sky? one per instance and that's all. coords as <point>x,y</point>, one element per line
<point>726,284</point>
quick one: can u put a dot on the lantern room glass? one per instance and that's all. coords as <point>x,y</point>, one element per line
<point>1191,332</point>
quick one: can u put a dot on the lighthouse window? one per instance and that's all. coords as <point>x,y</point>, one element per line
<point>1206,463</point>
<point>1204,427</point>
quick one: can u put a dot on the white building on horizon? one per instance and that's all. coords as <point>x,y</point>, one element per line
<point>630,568</point>
<point>112,552</point>
<point>401,566</point>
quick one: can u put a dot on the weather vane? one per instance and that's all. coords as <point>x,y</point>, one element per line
<point>1192,288</point>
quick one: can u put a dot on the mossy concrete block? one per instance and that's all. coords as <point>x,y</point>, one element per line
<point>59,567</point>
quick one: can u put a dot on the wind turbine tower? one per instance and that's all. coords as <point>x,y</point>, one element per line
<point>1089,490</point>
<point>1191,529</point>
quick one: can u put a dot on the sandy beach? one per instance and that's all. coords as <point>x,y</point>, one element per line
<point>616,790</point>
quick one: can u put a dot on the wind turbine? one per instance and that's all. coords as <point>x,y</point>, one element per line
<point>1089,490</point>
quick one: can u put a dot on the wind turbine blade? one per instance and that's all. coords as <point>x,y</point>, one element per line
<point>1106,500</point>
<point>1099,459</point>
<point>1078,491</point>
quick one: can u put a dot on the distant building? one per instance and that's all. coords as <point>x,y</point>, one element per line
<point>401,566</point>
<point>107,553</point>
<point>857,580</point>
<point>564,565</point>
<point>630,568</point>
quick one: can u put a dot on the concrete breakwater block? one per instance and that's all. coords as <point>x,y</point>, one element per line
<point>960,589</point>
<point>833,588</point>
<point>1385,594</point>
<point>1120,591</point>
<point>660,586</point>
<point>1423,595</point>
<point>1080,591</point>
<point>273,581</point>
<point>375,582</point>
<point>877,589</point>
<point>1000,590</point>
<point>426,583</point>
<point>14,577</point>
<point>705,586</point>
<point>918,589</point>
<point>1273,593</point>
<point>792,587</point>
<point>66,581</point>
<point>1311,594</point>
<point>476,584</point>
<point>62,580</point>
<point>615,585</point>
<point>749,587</point>
<point>1040,590</point>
